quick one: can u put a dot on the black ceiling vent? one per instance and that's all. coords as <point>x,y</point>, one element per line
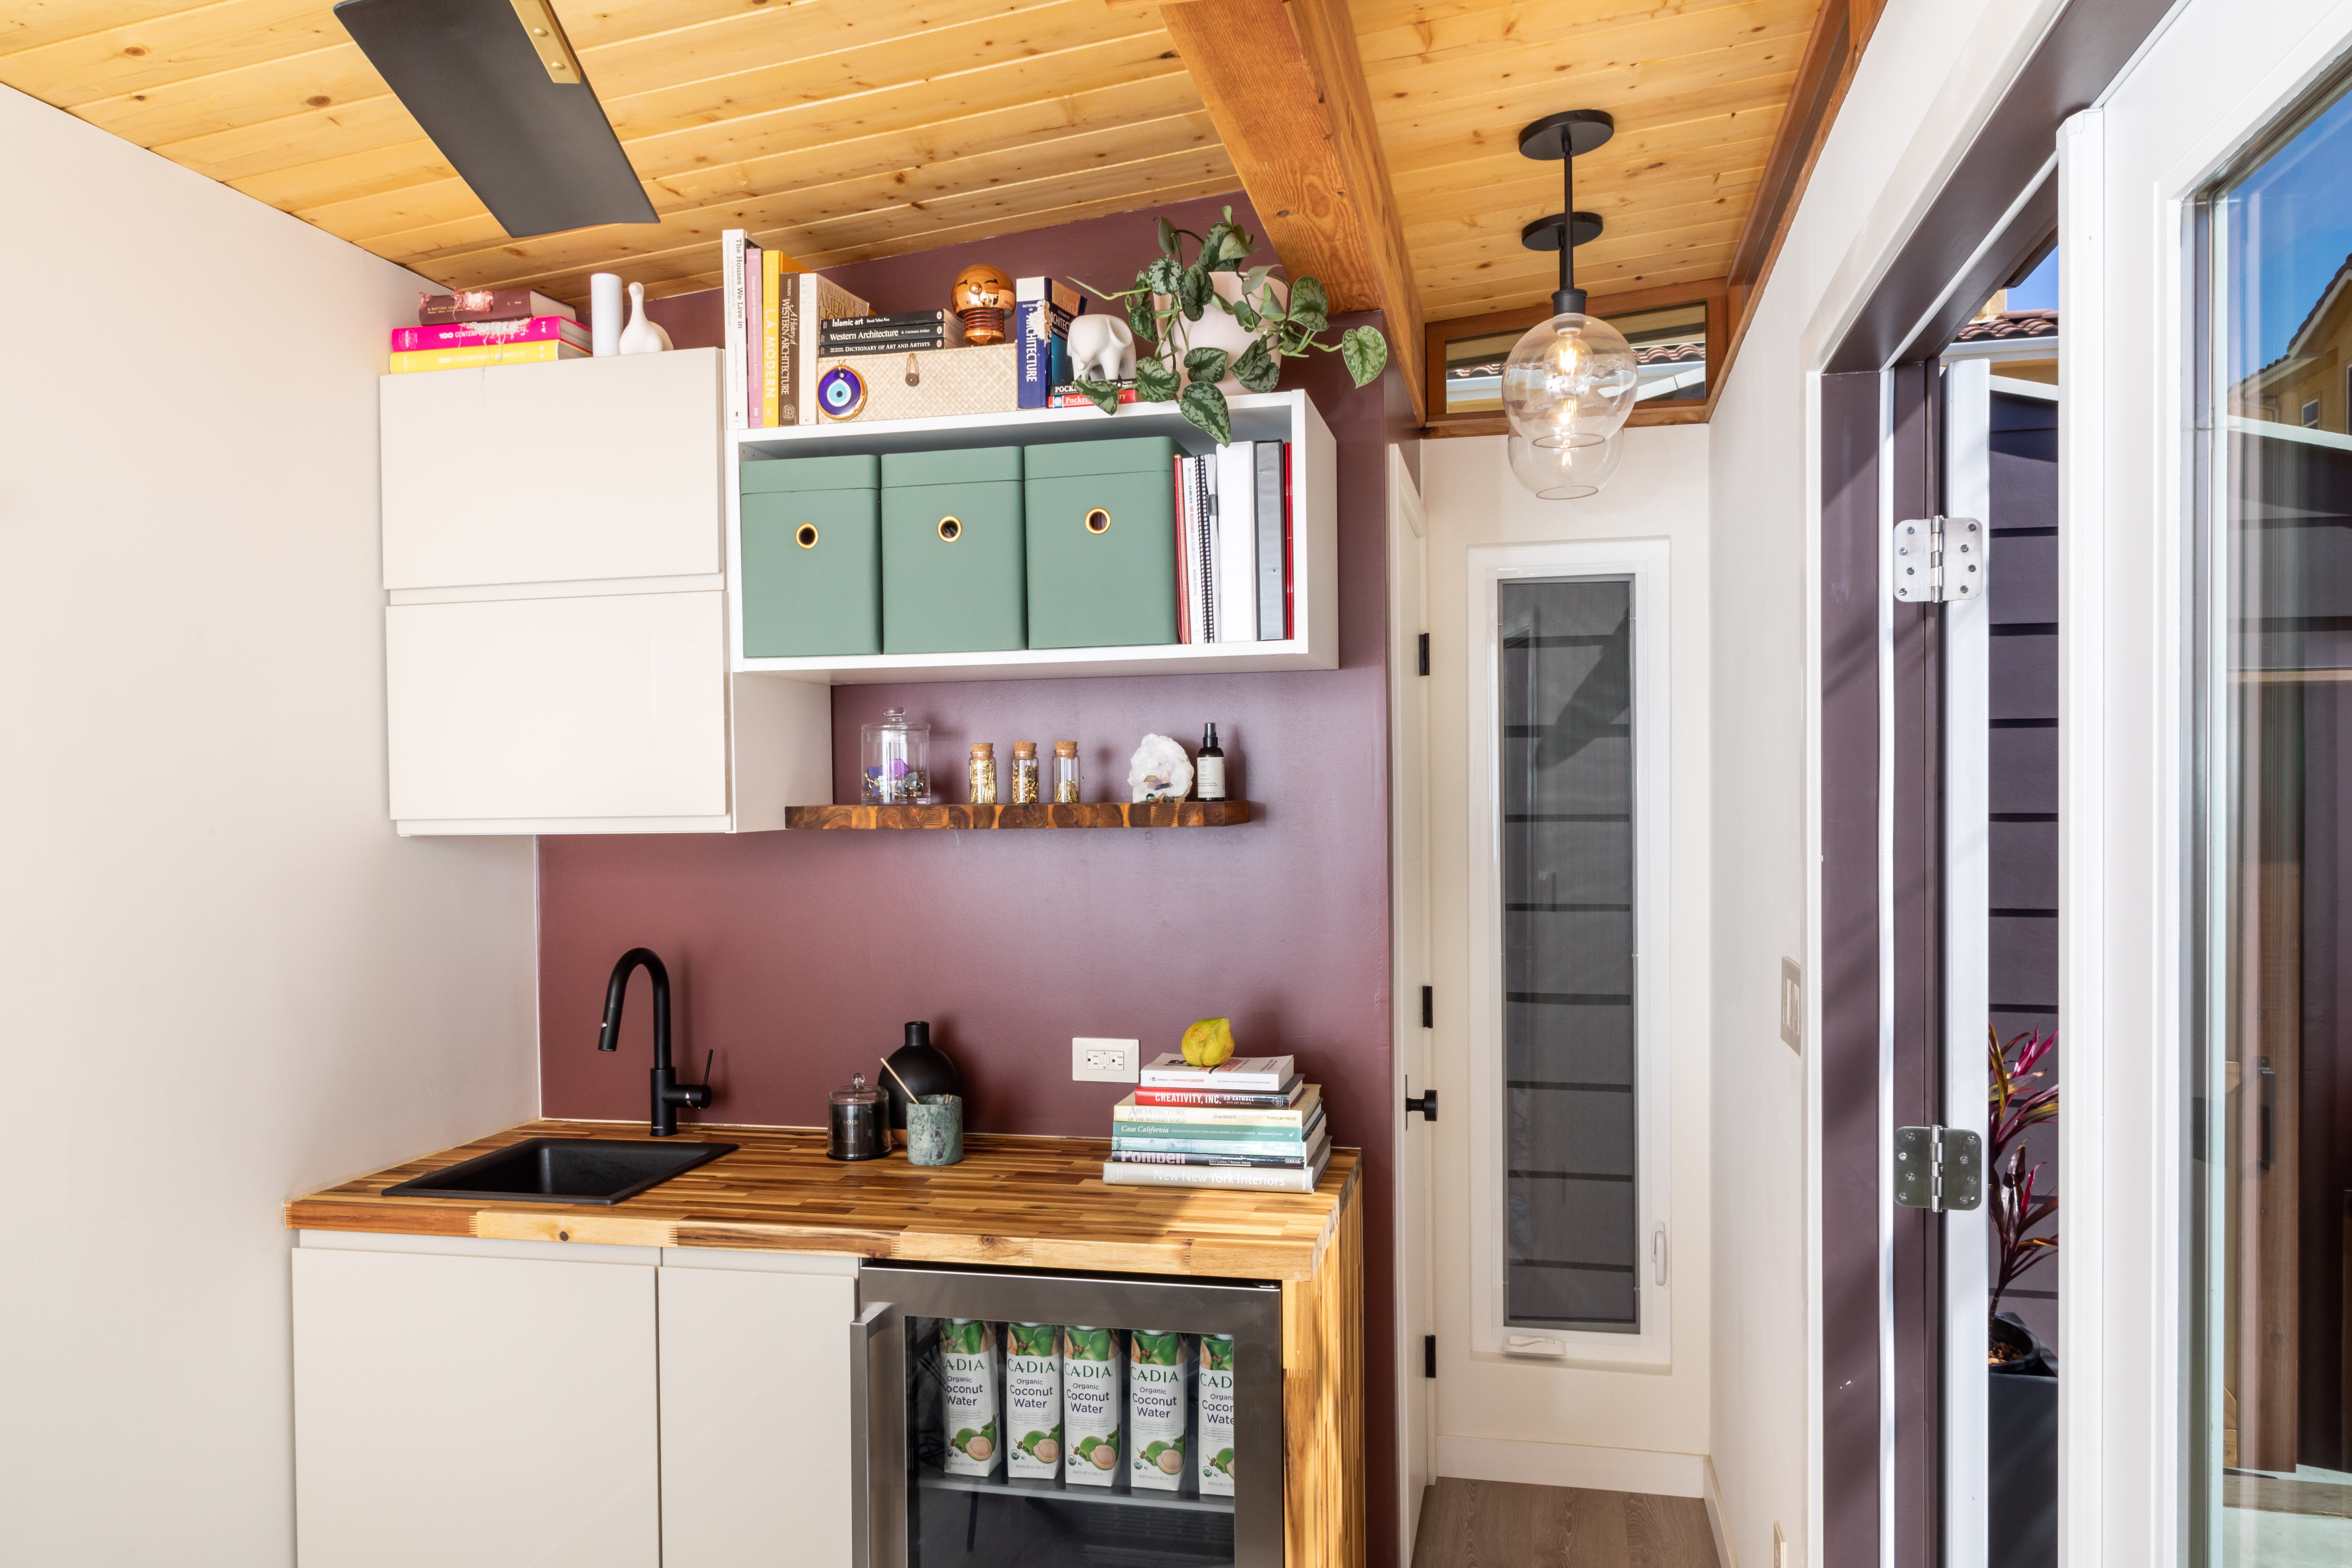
<point>501,92</point>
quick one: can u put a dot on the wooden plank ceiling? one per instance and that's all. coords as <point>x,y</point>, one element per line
<point>841,130</point>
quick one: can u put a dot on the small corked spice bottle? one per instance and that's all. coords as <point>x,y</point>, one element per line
<point>1025,772</point>
<point>1066,772</point>
<point>983,773</point>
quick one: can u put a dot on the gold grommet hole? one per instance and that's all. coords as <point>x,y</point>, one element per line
<point>804,535</point>
<point>1097,521</point>
<point>951,529</point>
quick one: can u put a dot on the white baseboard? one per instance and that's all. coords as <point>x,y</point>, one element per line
<point>1722,1533</point>
<point>1572,1465</point>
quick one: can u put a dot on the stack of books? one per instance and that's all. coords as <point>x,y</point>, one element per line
<point>1234,577</point>
<point>774,320</point>
<point>902,332</point>
<point>475,327</point>
<point>1247,1123</point>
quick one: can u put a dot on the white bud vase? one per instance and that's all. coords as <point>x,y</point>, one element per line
<point>642,336</point>
<point>604,313</point>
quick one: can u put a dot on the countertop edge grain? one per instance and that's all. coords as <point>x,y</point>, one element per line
<point>816,1205</point>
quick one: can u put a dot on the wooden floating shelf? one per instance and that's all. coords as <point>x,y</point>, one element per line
<point>1091,813</point>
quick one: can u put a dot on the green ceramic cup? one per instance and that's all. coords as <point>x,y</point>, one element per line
<point>934,1129</point>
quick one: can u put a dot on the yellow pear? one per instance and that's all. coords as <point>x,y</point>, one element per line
<point>1209,1042</point>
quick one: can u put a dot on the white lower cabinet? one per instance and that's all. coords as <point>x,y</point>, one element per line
<point>755,1418</point>
<point>505,712</point>
<point>601,1410</point>
<point>464,1411</point>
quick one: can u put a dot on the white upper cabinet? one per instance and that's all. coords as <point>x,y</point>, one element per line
<point>602,713</point>
<point>580,470</point>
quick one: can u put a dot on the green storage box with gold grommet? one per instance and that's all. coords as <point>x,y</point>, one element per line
<point>812,556</point>
<point>952,559</point>
<point>1101,519</point>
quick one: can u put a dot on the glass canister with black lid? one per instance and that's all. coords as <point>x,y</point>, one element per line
<point>859,1122</point>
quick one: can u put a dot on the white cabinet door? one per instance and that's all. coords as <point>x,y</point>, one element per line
<point>553,473</point>
<point>612,706</point>
<point>463,1411</point>
<point>755,1418</point>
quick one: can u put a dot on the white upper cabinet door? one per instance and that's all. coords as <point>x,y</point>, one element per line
<point>600,707</point>
<point>574,471</point>
<point>756,1420</point>
<point>474,1411</point>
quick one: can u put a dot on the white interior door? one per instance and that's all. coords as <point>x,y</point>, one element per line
<point>1569,931</point>
<point>1409,975</point>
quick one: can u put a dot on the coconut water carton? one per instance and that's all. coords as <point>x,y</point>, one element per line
<point>1159,1382</point>
<point>1091,1408</point>
<point>969,1367</point>
<point>1213,1431</point>
<point>1032,1400</point>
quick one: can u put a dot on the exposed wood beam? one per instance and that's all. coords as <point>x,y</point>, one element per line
<point>1285,87</point>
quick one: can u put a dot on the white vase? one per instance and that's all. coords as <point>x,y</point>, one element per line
<point>1217,329</point>
<point>642,336</point>
<point>604,313</point>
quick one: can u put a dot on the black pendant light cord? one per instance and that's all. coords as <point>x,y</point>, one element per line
<point>1568,299</point>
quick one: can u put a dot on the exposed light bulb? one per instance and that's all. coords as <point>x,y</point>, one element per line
<point>1571,381</point>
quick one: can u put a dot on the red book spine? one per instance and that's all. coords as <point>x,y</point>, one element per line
<point>1289,612</point>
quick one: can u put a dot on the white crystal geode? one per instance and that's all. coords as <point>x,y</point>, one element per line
<point>1161,770</point>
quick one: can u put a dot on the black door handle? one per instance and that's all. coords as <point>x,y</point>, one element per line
<point>1426,1105</point>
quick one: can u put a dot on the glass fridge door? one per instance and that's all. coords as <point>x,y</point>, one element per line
<point>1017,1418</point>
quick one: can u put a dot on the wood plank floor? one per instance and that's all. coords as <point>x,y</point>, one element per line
<point>1497,1524</point>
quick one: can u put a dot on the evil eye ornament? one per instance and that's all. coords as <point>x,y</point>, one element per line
<point>840,393</point>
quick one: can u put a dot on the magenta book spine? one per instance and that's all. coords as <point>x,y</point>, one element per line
<point>465,335</point>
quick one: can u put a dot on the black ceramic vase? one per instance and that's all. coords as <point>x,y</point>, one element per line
<point>921,1067</point>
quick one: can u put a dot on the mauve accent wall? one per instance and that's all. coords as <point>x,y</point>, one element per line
<point>797,957</point>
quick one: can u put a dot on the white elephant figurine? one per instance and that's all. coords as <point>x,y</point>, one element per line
<point>1102,348</point>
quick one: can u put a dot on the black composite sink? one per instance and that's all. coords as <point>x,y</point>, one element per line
<point>564,1171</point>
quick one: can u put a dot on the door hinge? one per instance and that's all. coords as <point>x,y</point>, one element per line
<point>1424,653</point>
<point>1429,1006</point>
<point>1938,559</point>
<point>1938,1168</point>
<point>1429,1355</point>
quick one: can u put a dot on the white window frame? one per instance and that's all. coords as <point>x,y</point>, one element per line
<point>1644,563</point>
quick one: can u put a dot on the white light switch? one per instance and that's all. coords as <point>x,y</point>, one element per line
<point>1792,1006</point>
<point>1106,1061</point>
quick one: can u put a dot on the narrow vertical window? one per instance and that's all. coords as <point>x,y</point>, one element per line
<point>1567,799</point>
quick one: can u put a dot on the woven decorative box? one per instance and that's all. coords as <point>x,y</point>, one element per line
<point>923,383</point>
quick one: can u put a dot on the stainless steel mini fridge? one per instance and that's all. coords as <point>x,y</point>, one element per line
<point>937,1485</point>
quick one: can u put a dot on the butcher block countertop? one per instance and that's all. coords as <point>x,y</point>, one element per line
<point>1038,1202</point>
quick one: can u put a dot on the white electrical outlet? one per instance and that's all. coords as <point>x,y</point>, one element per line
<point>1106,1061</point>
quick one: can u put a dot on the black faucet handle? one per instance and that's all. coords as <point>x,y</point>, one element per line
<point>698,1095</point>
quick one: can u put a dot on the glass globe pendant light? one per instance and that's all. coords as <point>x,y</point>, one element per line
<point>1564,473</point>
<point>1572,381</point>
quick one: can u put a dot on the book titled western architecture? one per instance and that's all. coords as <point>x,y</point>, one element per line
<point>1043,309</point>
<point>489,305</point>
<point>1120,1173</point>
<point>914,330</point>
<point>1309,1107</point>
<point>482,354</point>
<point>1256,1075</point>
<point>478,334</point>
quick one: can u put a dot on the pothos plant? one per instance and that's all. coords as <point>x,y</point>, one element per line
<point>1173,294</point>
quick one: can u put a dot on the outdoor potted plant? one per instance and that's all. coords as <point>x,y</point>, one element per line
<point>2022,1394</point>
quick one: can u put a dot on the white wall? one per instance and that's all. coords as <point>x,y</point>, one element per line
<point>1929,79</point>
<point>228,982</point>
<point>1637,1430</point>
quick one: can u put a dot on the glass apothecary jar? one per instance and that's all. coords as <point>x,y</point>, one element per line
<point>1066,772</point>
<point>895,761</point>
